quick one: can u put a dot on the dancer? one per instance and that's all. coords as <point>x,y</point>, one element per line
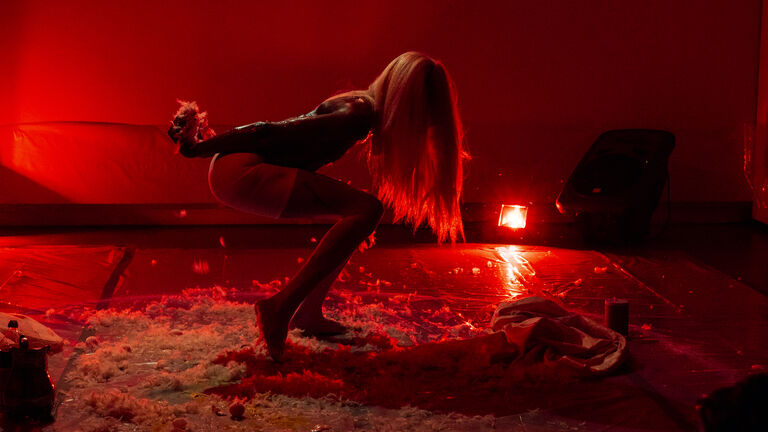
<point>408,122</point>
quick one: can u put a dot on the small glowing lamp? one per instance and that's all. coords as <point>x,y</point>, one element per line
<point>513,216</point>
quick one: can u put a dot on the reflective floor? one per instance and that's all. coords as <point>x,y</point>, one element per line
<point>697,317</point>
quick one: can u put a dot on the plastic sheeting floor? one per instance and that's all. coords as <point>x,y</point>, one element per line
<point>692,327</point>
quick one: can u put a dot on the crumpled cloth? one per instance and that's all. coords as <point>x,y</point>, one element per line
<point>541,331</point>
<point>39,336</point>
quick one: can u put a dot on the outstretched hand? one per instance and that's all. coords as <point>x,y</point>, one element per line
<point>188,127</point>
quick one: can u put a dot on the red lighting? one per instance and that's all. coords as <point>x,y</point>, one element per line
<point>513,216</point>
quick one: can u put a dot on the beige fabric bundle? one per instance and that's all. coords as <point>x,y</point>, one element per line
<point>542,331</point>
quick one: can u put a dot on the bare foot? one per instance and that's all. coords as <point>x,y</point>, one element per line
<point>318,326</point>
<point>273,327</point>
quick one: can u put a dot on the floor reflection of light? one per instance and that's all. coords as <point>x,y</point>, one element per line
<point>519,270</point>
<point>466,321</point>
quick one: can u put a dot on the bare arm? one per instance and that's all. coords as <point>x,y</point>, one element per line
<point>343,121</point>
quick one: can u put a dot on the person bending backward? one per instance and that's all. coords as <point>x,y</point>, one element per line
<point>408,122</point>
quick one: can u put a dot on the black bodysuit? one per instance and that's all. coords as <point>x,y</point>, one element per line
<point>307,142</point>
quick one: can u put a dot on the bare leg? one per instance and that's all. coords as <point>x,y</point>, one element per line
<point>357,212</point>
<point>309,317</point>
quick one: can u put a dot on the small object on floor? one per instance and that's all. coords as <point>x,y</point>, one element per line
<point>740,407</point>
<point>91,342</point>
<point>180,423</point>
<point>236,410</point>
<point>617,315</point>
<point>215,410</point>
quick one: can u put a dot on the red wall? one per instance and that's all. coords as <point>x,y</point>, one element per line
<point>538,80</point>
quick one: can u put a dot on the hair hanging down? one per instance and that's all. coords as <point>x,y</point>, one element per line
<point>416,151</point>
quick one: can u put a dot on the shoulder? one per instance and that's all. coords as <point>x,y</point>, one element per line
<point>353,105</point>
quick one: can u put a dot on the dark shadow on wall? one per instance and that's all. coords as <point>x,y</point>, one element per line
<point>19,189</point>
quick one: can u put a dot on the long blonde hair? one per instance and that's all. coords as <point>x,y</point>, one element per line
<point>416,150</point>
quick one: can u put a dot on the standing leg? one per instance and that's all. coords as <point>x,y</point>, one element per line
<point>309,317</point>
<point>316,195</point>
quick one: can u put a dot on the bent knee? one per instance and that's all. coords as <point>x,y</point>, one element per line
<point>373,208</point>
<point>368,211</point>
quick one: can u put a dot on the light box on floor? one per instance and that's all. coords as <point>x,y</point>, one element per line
<point>513,216</point>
